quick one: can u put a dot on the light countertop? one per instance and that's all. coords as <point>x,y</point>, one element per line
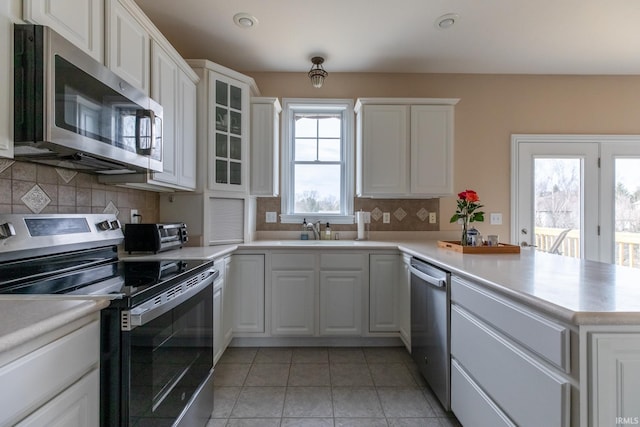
<point>572,290</point>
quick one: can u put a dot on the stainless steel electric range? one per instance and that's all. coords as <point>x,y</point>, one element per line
<point>156,335</point>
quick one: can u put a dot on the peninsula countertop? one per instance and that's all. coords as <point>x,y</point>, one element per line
<point>572,290</point>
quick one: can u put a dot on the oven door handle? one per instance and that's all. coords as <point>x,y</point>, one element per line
<point>152,309</point>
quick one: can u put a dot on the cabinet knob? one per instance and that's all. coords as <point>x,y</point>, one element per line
<point>7,230</point>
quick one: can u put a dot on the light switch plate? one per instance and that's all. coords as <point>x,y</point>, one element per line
<point>496,219</point>
<point>432,218</point>
<point>271,217</point>
<point>386,217</point>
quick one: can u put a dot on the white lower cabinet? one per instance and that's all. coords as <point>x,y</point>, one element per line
<point>510,365</point>
<point>218,313</point>
<point>293,296</point>
<point>614,378</point>
<point>384,293</point>
<point>404,302</point>
<point>246,277</point>
<point>341,302</point>
<point>77,406</point>
<point>55,384</point>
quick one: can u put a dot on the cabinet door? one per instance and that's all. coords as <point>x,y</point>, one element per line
<point>384,140</point>
<point>383,293</point>
<point>247,280</point>
<point>77,406</point>
<point>404,302</point>
<point>128,46</point>
<point>186,122</point>
<point>264,147</point>
<point>614,378</point>
<point>341,303</point>
<point>218,313</point>
<point>293,302</point>
<point>227,152</point>
<point>164,90</point>
<point>227,304</point>
<point>79,21</point>
<point>431,150</point>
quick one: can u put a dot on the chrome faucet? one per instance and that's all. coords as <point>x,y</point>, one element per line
<point>314,228</point>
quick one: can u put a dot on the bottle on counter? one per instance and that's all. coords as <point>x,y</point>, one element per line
<point>327,232</point>
<point>304,234</point>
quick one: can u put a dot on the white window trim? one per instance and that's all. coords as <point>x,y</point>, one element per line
<point>348,172</point>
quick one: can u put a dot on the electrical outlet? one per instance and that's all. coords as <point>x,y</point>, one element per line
<point>432,218</point>
<point>496,219</point>
<point>134,216</point>
<point>386,217</point>
<point>271,217</point>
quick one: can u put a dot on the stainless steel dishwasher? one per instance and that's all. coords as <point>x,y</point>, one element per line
<point>430,326</point>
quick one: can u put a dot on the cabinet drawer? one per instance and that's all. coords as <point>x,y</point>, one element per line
<point>471,405</point>
<point>293,261</point>
<point>526,391</point>
<point>30,381</point>
<point>342,261</point>
<point>544,337</point>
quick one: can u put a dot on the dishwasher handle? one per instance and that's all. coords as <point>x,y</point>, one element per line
<point>434,281</point>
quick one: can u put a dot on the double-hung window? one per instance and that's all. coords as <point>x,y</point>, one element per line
<point>317,153</point>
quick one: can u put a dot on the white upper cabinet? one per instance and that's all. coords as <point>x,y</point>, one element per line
<point>128,45</point>
<point>404,147</point>
<point>223,129</point>
<point>79,21</point>
<point>265,152</point>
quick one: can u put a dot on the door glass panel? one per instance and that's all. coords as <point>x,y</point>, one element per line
<point>221,93</point>
<point>221,145</point>
<point>222,119</point>
<point>235,151</point>
<point>557,205</point>
<point>235,172</point>
<point>236,123</point>
<point>236,98</point>
<point>221,172</point>
<point>627,212</point>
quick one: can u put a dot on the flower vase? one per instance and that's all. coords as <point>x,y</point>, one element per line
<point>463,239</point>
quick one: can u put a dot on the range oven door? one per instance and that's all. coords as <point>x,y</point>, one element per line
<point>165,373</point>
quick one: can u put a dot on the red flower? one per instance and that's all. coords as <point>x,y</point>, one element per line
<point>467,207</point>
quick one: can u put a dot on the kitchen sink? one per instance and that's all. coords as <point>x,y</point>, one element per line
<point>317,242</point>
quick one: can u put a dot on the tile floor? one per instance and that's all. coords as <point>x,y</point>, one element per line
<point>318,386</point>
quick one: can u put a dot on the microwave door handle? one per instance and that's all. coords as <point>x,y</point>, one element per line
<point>147,134</point>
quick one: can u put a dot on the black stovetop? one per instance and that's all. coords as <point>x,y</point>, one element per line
<point>132,280</point>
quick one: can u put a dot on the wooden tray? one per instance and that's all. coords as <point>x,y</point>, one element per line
<point>502,248</point>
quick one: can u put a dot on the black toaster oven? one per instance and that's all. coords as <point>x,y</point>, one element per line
<point>154,237</point>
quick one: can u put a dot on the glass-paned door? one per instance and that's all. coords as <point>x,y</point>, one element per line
<point>228,143</point>
<point>557,198</point>
<point>621,190</point>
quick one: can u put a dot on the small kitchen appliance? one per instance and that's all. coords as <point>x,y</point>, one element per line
<point>156,364</point>
<point>154,237</point>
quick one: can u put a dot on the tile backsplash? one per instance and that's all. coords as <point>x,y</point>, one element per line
<point>405,215</point>
<point>32,188</point>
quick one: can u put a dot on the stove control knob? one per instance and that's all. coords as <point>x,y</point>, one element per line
<point>104,225</point>
<point>7,230</point>
<point>115,225</point>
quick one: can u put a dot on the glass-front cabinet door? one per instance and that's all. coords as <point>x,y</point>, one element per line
<point>227,150</point>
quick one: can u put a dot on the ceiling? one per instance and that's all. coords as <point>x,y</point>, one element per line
<point>490,36</point>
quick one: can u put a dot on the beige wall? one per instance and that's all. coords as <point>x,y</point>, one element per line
<point>491,108</point>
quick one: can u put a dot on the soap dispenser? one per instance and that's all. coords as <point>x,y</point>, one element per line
<point>304,234</point>
<point>327,232</point>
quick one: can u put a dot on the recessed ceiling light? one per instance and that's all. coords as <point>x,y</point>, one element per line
<point>446,21</point>
<point>244,20</point>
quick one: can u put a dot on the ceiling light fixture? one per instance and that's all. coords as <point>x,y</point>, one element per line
<point>447,21</point>
<point>317,74</point>
<point>244,20</point>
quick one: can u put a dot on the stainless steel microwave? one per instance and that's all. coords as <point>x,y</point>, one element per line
<point>73,112</point>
